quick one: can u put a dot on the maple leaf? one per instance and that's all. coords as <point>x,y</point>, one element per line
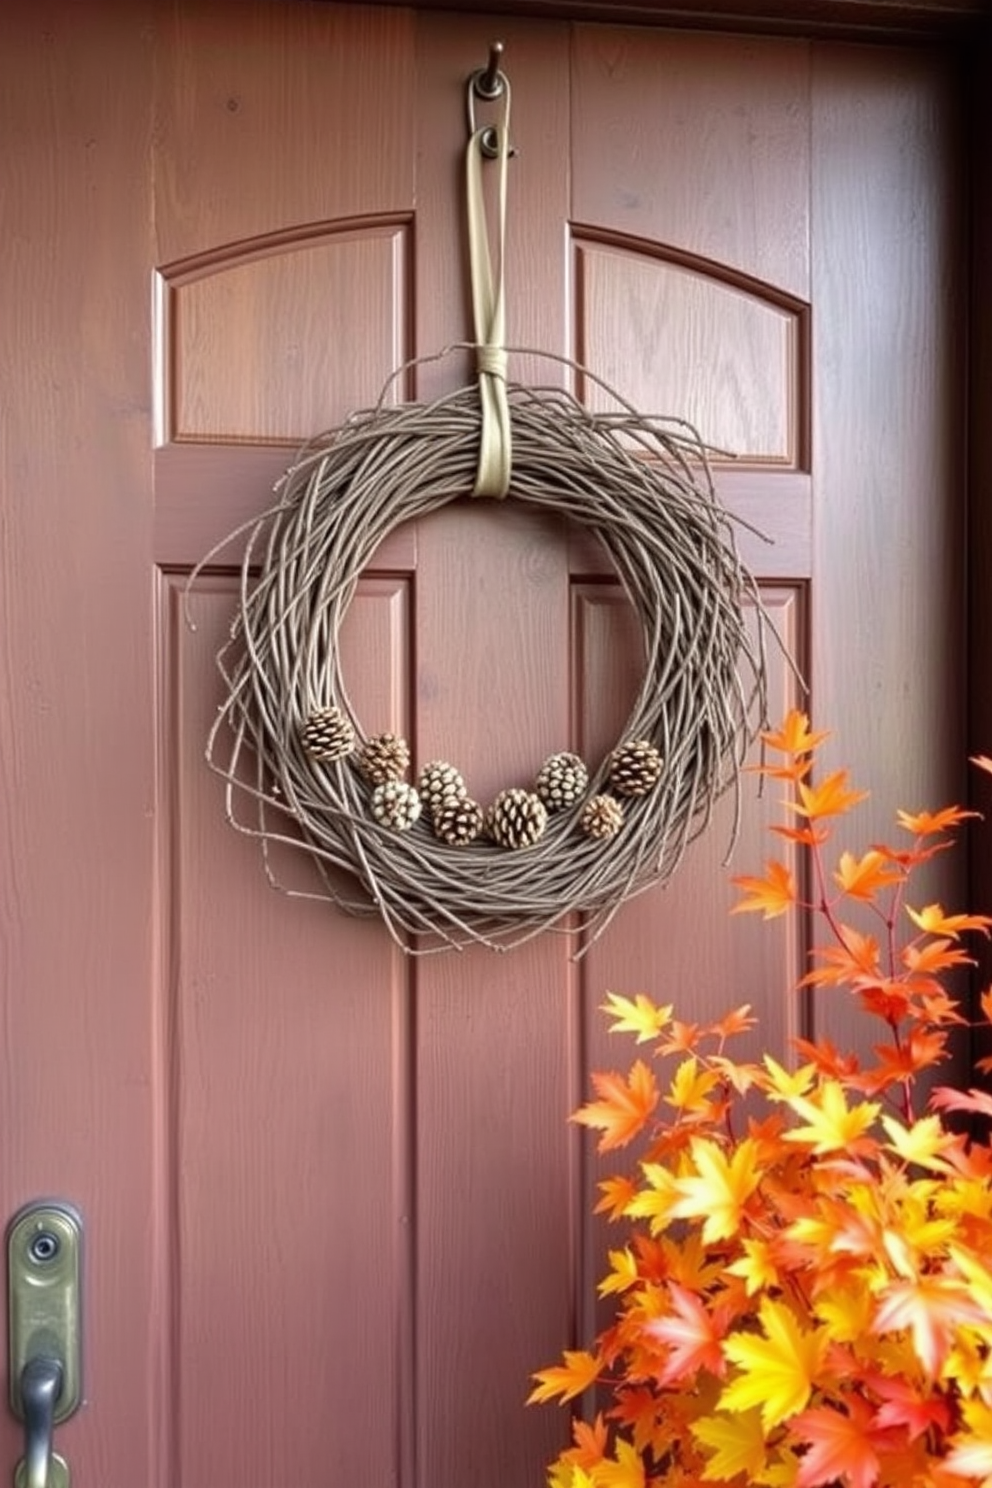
<point>794,736</point>
<point>932,920</point>
<point>771,895</point>
<point>738,1444</point>
<point>691,1085</point>
<point>756,1266</point>
<point>832,1126</point>
<point>719,1189</point>
<point>625,1471</point>
<point>919,1143</point>
<point>778,1370</point>
<point>616,1195</point>
<point>636,1015</point>
<point>853,960</point>
<point>566,1381</point>
<point>624,1105</point>
<point>692,1336</point>
<point>938,955</point>
<point>971,1450</point>
<point>623,1272</point>
<point>590,1441</point>
<point>930,1308</point>
<point>946,1098</point>
<point>832,797</point>
<point>861,878</point>
<point>841,1444</point>
<point>905,1404</point>
<point>929,823</point>
<point>982,761</point>
<point>827,1058</point>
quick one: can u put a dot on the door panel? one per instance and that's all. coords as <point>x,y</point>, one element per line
<point>335,1211</point>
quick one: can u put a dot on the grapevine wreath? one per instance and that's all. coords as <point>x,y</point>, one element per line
<point>567,847</point>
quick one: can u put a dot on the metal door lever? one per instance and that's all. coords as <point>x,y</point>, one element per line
<point>41,1382</point>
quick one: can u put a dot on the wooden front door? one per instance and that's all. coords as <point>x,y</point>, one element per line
<point>334,1212</point>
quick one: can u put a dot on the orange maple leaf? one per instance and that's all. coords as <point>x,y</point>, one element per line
<point>904,1403</point>
<point>624,1105</point>
<point>854,960</point>
<point>928,823</point>
<point>771,895</point>
<point>862,877</point>
<point>616,1195</point>
<point>794,736</point>
<point>567,1380</point>
<point>841,1445</point>
<point>832,797</point>
<point>938,955</point>
<point>691,1334</point>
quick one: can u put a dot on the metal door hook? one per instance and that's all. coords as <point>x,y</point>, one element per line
<point>488,82</point>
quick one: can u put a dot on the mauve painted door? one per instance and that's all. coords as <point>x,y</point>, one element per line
<point>335,1214</point>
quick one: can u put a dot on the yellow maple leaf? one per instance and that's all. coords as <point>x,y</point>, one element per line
<point>625,1471</point>
<point>932,920</point>
<point>846,1313</point>
<point>777,1370</point>
<point>756,1266</point>
<point>623,1272</point>
<point>737,1443</point>
<point>654,1202</point>
<point>719,1189</point>
<point>920,1143</point>
<point>786,1084</point>
<point>832,1126</point>
<point>691,1086</point>
<point>637,1015</point>
<point>567,1380</point>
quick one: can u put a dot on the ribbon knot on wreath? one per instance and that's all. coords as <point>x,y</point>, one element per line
<point>406,840</point>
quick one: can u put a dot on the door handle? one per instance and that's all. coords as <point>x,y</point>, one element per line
<point>44,1242</point>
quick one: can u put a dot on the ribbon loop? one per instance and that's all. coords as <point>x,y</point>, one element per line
<point>495,447</point>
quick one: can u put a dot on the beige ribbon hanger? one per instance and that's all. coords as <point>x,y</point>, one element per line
<point>495,447</point>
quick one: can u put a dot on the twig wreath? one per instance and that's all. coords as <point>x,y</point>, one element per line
<point>568,847</point>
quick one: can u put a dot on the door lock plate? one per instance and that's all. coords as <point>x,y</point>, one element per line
<point>58,1473</point>
<point>44,1243</point>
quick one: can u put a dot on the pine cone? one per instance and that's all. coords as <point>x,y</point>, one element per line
<point>635,768</point>
<point>396,804</point>
<point>327,735</point>
<point>561,781</point>
<point>458,820</point>
<point>439,782</point>
<point>602,817</point>
<point>517,818</point>
<point>384,757</point>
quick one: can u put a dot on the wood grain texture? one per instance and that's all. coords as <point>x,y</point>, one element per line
<point>290,1240</point>
<point>888,409</point>
<point>77,840</point>
<point>728,361</point>
<point>304,106</point>
<point>312,330</point>
<point>698,143</point>
<point>492,1031</point>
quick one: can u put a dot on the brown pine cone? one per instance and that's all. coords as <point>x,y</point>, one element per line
<point>517,818</point>
<point>327,735</point>
<point>396,804</point>
<point>561,781</point>
<point>602,817</point>
<point>437,782</point>
<point>458,820</point>
<point>635,768</point>
<point>384,757</point>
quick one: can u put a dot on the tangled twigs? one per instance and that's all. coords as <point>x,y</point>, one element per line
<point>641,486</point>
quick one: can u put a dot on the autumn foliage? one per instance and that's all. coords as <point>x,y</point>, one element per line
<point>804,1285</point>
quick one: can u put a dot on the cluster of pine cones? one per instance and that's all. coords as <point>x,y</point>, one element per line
<point>517,818</point>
